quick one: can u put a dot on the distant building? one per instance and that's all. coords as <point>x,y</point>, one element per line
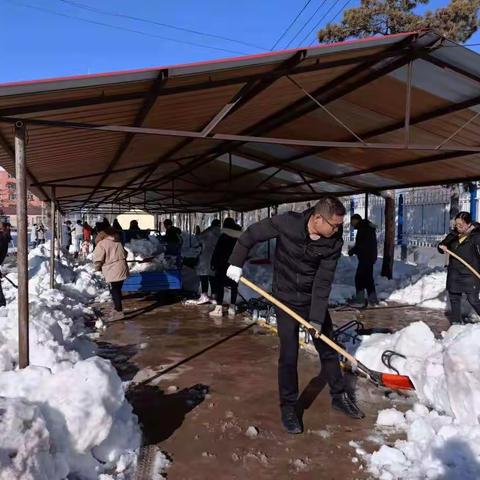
<point>8,201</point>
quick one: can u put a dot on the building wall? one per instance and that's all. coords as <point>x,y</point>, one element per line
<point>8,201</point>
<point>8,192</point>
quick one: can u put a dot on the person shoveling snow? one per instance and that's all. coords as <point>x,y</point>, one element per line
<point>308,247</point>
<point>464,241</point>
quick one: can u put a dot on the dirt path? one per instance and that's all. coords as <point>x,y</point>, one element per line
<point>214,410</point>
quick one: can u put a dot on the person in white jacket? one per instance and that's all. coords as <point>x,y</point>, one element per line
<point>208,240</point>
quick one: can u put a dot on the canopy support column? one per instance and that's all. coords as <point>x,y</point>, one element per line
<point>22,244</point>
<point>53,236</point>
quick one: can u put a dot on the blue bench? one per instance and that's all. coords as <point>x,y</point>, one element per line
<point>153,281</point>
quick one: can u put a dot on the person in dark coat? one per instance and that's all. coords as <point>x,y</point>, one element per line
<point>307,250</point>
<point>365,249</point>
<point>173,235</point>
<point>5,239</point>
<point>118,228</point>
<point>219,264</point>
<point>464,240</point>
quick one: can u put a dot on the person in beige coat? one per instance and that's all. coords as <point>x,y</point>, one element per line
<point>111,259</point>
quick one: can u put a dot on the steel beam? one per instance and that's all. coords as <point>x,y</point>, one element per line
<point>22,245</point>
<point>53,237</point>
<point>252,139</point>
<point>352,80</point>
<point>147,105</point>
<point>382,168</point>
<point>246,94</point>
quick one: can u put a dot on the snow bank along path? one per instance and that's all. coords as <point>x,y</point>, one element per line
<point>443,428</point>
<point>65,415</point>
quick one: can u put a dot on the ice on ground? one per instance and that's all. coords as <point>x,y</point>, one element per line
<point>443,429</point>
<point>66,414</point>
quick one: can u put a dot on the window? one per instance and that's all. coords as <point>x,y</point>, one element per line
<point>12,196</point>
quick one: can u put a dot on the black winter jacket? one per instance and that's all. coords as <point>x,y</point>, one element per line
<point>459,278</point>
<point>4,242</point>
<point>223,249</point>
<point>365,247</point>
<point>303,268</point>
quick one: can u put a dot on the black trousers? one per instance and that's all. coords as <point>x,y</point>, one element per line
<point>288,329</point>
<point>205,280</point>
<point>456,304</point>
<point>116,291</point>
<point>3,302</point>
<point>222,281</point>
<point>364,277</point>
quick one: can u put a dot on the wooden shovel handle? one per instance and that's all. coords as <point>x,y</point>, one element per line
<point>461,260</point>
<point>300,320</point>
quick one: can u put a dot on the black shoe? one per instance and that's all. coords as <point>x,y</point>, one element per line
<point>290,420</point>
<point>347,404</point>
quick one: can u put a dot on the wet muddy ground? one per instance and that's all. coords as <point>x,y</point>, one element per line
<point>205,392</point>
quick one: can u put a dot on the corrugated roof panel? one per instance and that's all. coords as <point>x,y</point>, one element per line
<point>438,81</point>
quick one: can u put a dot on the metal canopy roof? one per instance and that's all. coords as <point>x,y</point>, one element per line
<point>248,132</point>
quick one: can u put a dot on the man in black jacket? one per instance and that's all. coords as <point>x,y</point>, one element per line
<point>365,249</point>
<point>307,250</point>
<point>5,239</point>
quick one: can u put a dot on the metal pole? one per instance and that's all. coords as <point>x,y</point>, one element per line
<point>366,206</point>
<point>268,244</point>
<point>408,102</point>
<point>22,244</point>
<point>52,239</point>
<point>58,231</point>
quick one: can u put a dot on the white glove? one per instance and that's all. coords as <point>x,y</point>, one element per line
<point>234,273</point>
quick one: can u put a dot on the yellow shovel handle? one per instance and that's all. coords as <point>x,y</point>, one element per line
<point>461,260</point>
<point>300,320</point>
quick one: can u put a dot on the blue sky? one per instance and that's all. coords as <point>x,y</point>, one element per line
<point>37,43</point>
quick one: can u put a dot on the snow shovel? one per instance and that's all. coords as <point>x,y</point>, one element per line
<point>8,280</point>
<point>379,379</point>
<point>461,260</point>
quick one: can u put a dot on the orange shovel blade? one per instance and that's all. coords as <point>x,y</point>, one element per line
<point>396,382</point>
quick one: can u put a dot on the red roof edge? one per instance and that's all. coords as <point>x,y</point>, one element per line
<point>209,62</point>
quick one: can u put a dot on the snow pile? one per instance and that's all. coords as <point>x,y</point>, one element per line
<point>418,285</point>
<point>443,430</point>
<point>75,421</point>
<point>66,415</point>
<point>138,250</point>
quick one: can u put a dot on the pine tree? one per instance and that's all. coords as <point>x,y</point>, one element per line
<point>458,21</point>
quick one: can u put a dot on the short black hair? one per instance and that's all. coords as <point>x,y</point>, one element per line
<point>328,206</point>
<point>465,216</point>
<point>167,221</point>
<point>356,216</point>
<point>229,222</point>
